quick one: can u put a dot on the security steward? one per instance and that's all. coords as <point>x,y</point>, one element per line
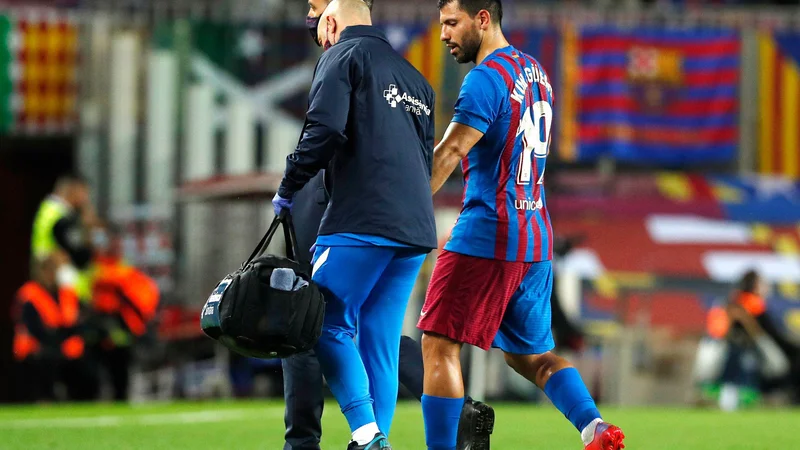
<point>62,225</point>
<point>46,331</point>
<point>124,301</point>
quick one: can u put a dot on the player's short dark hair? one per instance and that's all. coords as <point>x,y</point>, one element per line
<point>749,281</point>
<point>473,7</point>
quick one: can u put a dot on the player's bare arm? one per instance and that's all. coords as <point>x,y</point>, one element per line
<point>458,140</point>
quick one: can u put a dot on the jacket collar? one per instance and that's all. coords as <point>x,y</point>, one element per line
<point>359,31</point>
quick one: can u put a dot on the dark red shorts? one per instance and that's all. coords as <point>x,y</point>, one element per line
<point>468,300</point>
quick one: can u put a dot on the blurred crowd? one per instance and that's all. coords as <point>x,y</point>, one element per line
<point>81,312</point>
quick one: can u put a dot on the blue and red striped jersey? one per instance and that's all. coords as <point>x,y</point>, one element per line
<point>509,98</point>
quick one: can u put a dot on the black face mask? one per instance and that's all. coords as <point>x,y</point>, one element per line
<point>312,23</point>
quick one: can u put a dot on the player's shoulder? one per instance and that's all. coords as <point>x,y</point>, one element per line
<point>485,72</point>
<point>484,77</point>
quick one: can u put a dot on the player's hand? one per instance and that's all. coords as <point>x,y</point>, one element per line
<point>280,203</point>
<point>313,249</point>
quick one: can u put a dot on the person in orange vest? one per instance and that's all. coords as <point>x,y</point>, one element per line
<point>751,297</point>
<point>46,331</point>
<point>124,301</point>
<point>755,352</point>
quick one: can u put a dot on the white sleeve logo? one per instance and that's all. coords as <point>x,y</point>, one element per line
<point>391,96</point>
<point>411,103</point>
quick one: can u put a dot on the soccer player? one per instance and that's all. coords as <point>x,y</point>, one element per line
<point>492,283</point>
<point>370,114</point>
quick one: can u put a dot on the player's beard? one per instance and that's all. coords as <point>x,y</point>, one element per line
<point>469,47</point>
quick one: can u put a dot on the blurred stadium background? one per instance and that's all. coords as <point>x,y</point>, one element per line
<point>674,170</point>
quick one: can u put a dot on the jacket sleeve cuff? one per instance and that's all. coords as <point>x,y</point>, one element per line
<point>285,192</point>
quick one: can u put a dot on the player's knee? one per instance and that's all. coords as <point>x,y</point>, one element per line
<point>549,363</point>
<point>524,364</point>
<point>537,368</point>
<point>438,347</point>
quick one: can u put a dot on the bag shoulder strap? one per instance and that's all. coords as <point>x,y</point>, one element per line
<point>284,218</point>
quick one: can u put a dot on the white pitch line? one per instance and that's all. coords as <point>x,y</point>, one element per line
<point>208,416</point>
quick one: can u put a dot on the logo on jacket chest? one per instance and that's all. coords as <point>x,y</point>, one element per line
<point>412,104</point>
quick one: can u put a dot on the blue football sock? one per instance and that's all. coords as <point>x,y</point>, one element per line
<point>441,417</point>
<point>566,390</point>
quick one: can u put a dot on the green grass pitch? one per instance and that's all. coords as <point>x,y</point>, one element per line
<point>251,425</point>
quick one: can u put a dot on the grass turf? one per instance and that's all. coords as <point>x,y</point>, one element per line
<point>245,425</point>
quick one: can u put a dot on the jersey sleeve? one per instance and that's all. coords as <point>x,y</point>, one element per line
<point>479,101</point>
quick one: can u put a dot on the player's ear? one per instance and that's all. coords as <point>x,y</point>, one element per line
<point>485,19</point>
<point>332,28</point>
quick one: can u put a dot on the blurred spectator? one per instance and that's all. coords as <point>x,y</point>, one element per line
<point>46,332</point>
<point>751,354</point>
<point>61,228</point>
<point>567,333</point>
<point>124,301</point>
<point>740,373</point>
<point>751,298</point>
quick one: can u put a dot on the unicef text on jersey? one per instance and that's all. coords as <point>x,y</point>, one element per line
<point>528,205</point>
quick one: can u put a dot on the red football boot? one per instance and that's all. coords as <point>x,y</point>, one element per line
<point>606,437</point>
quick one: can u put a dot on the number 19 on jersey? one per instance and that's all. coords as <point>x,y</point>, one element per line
<point>534,126</point>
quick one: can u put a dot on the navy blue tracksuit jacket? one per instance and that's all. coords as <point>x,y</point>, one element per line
<point>371,117</point>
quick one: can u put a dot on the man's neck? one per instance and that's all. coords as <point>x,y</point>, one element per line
<point>354,24</point>
<point>491,42</point>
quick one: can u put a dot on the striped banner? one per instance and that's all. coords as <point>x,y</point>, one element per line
<point>779,108</point>
<point>652,96</point>
<point>38,73</point>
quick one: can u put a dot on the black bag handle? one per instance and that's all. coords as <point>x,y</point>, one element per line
<point>289,237</point>
<point>284,218</point>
